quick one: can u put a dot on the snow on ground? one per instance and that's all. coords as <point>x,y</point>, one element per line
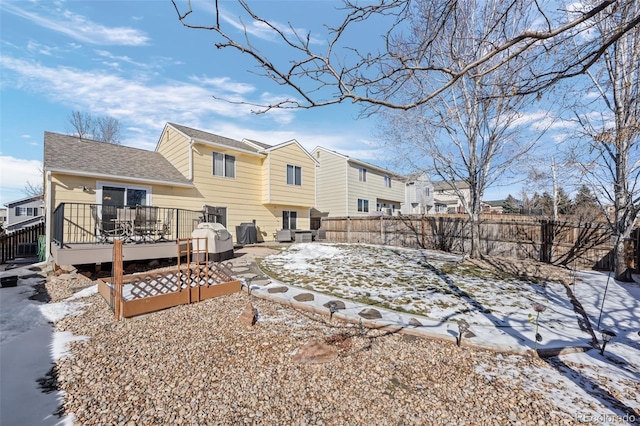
<point>433,288</point>
<point>29,348</point>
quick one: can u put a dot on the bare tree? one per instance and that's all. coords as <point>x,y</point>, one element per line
<point>334,72</point>
<point>611,123</point>
<point>33,189</point>
<point>102,129</point>
<point>108,130</point>
<point>81,124</point>
<point>471,133</point>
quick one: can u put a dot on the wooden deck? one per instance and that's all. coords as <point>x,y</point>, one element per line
<point>79,254</point>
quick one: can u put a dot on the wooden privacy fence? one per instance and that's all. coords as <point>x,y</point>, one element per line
<point>20,243</point>
<point>189,282</point>
<point>562,242</point>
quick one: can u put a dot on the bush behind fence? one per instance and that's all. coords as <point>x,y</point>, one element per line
<point>585,245</point>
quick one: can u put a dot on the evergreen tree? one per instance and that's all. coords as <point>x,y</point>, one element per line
<point>511,205</point>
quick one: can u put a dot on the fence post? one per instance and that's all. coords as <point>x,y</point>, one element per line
<point>348,229</point>
<point>422,225</point>
<point>117,278</point>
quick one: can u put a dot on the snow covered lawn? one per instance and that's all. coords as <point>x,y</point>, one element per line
<point>498,306</point>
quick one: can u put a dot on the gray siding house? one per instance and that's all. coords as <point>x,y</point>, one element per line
<point>24,212</point>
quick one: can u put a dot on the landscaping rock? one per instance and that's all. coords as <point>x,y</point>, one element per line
<point>415,323</point>
<point>282,289</point>
<point>370,313</point>
<point>315,352</point>
<point>304,297</point>
<point>249,315</point>
<point>339,304</point>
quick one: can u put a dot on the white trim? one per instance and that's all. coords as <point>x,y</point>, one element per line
<point>120,178</point>
<point>100,184</point>
<point>47,212</point>
<point>190,157</point>
<point>295,142</point>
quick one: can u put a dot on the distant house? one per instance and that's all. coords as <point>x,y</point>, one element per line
<point>451,197</point>
<point>24,212</point>
<point>349,187</point>
<point>492,207</point>
<point>418,195</point>
<point>3,216</point>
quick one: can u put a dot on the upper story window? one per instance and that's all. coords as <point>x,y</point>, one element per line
<point>294,175</point>
<point>427,191</point>
<point>26,211</point>
<point>224,165</point>
<point>362,174</point>
<point>387,181</point>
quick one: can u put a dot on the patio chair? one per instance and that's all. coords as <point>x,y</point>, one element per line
<point>145,225</point>
<point>105,231</point>
<point>165,229</point>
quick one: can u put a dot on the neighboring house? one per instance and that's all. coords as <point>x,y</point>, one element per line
<point>349,187</point>
<point>241,181</point>
<point>418,195</point>
<point>3,217</point>
<point>24,212</point>
<point>492,207</point>
<point>448,196</point>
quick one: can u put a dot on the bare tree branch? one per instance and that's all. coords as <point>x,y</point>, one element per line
<point>323,77</point>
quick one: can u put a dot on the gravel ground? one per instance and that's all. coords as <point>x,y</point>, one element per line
<point>197,364</point>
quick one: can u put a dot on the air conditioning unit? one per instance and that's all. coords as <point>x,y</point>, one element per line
<point>386,211</point>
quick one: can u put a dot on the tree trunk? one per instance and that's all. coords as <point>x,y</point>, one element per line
<point>622,270</point>
<point>475,237</point>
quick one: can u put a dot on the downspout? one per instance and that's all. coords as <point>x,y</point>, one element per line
<point>269,178</point>
<point>47,220</point>
<point>191,143</point>
<point>346,163</point>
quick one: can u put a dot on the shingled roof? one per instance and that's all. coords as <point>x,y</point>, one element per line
<point>72,154</point>
<point>220,140</point>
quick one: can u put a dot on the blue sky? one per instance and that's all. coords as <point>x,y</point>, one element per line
<point>135,61</point>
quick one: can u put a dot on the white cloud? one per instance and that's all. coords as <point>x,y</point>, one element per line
<point>14,175</point>
<point>133,101</point>
<point>79,27</point>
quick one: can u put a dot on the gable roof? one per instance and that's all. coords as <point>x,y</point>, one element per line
<point>202,136</point>
<point>292,142</point>
<point>72,155</point>
<point>25,200</point>
<point>361,163</point>
<point>449,186</point>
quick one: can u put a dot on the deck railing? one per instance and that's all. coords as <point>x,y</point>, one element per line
<point>81,223</point>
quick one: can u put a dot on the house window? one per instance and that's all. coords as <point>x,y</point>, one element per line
<point>224,165</point>
<point>426,191</point>
<point>387,181</point>
<point>289,219</point>
<point>362,174</point>
<point>26,211</point>
<point>294,175</point>
<point>363,205</point>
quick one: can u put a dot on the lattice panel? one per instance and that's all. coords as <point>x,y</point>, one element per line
<point>170,281</point>
<point>154,284</point>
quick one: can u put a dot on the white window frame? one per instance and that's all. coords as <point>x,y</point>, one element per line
<point>363,205</point>
<point>225,172</point>
<point>288,212</point>
<point>294,168</point>
<point>362,174</point>
<point>126,186</point>
<point>387,181</point>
